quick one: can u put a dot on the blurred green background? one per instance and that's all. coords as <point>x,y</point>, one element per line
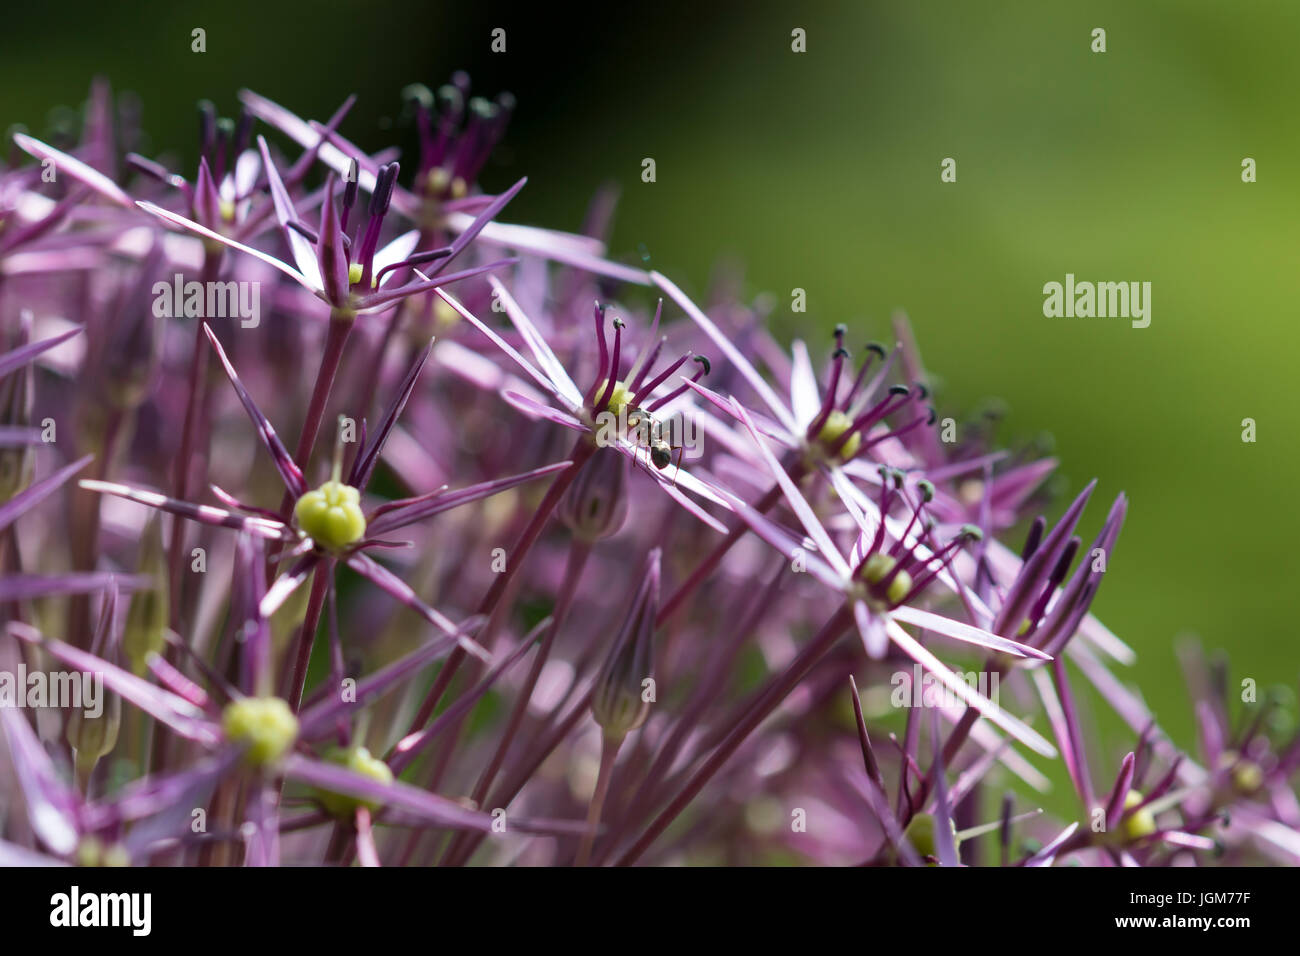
<point>821,171</point>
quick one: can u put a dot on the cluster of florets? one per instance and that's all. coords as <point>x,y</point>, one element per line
<point>453,593</point>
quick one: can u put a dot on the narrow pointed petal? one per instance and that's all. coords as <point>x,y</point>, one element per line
<point>286,584</point>
<point>399,250</point>
<point>943,826</point>
<point>537,344</point>
<point>332,257</point>
<point>430,807</point>
<point>365,464</point>
<point>205,514</point>
<point>807,517</point>
<point>504,346</point>
<point>174,711</point>
<point>50,804</point>
<point>74,168</point>
<point>399,515</point>
<point>1012,725</point>
<point>19,357</point>
<point>792,547</point>
<point>284,463</point>
<point>1123,784</point>
<point>368,688</point>
<point>388,295</point>
<point>304,256</point>
<point>804,397</point>
<point>481,220</point>
<point>410,746</point>
<point>1047,855</point>
<point>538,411</point>
<point>400,590</point>
<point>965,632</point>
<point>206,233</point>
<point>742,364</point>
<point>25,500</point>
<point>28,587</point>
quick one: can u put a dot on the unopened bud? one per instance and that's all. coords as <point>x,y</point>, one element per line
<point>146,616</point>
<point>93,737</point>
<point>16,463</point>
<point>617,702</point>
<point>595,505</point>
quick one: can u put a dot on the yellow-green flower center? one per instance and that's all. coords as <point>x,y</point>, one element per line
<point>1246,775</point>
<point>265,726</point>
<point>227,210</point>
<point>92,851</point>
<point>354,273</point>
<point>331,515</point>
<point>1140,824</point>
<point>837,423</point>
<point>878,567</point>
<point>359,760</point>
<point>619,397</point>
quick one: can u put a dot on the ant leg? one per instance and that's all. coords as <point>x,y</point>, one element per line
<point>678,466</point>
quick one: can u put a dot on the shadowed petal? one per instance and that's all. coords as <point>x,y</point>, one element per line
<point>26,500</point>
<point>399,515</point>
<point>387,296</point>
<point>19,357</point>
<point>364,466</point>
<point>284,464</point>
<point>383,680</point>
<point>409,747</point>
<point>399,589</point>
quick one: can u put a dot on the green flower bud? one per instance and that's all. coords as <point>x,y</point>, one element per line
<point>147,614</point>
<point>358,760</point>
<point>265,726</point>
<point>331,515</point>
<point>837,423</point>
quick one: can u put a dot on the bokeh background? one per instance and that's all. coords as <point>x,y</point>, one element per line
<point>821,171</point>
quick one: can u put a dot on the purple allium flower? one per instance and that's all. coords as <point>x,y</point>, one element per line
<point>758,610</point>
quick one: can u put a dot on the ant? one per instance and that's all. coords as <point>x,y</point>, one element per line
<point>648,433</point>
